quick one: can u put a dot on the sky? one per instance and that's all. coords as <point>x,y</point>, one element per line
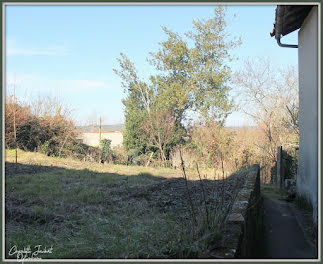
<point>69,52</point>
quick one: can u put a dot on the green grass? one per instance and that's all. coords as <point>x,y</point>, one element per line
<point>269,191</point>
<point>39,159</point>
<point>77,212</point>
<point>88,210</point>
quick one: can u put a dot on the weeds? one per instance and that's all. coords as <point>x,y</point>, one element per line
<point>204,196</point>
<point>209,215</point>
<point>188,193</point>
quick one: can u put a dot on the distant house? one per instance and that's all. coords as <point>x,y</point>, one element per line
<point>290,18</point>
<point>90,135</point>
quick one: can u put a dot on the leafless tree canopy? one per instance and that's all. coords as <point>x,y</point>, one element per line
<point>269,95</point>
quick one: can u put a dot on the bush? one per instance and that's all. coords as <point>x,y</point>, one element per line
<point>77,150</point>
<point>189,157</point>
<point>120,155</point>
<point>31,135</point>
<point>21,115</point>
<point>290,164</point>
<point>132,154</point>
<point>49,133</point>
<point>45,148</point>
<point>106,151</point>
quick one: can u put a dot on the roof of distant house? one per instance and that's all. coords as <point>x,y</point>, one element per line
<point>289,18</point>
<point>104,128</point>
<point>102,131</point>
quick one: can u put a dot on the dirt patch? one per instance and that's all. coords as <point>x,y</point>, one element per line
<point>25,216</point>
<point>177,196</point>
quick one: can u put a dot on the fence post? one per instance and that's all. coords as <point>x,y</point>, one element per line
<point>279,168</point>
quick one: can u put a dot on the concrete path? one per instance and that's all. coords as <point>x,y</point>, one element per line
<point>284,234</point>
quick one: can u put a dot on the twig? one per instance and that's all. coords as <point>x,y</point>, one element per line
<point>149,159</point>
<point>187,190</point>
<point>204,197</point>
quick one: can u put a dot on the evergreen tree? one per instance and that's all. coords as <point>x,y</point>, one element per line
<point>193,77</point>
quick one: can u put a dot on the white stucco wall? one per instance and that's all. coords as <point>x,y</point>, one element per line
<point>307,180</point>
<point>92,138</point>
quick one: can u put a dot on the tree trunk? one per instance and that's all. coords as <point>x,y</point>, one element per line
<point>149,159</point>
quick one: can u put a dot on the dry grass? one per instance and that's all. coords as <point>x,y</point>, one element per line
<point>39,159</point>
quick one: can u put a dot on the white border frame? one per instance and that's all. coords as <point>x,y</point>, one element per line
<point>160,4</point>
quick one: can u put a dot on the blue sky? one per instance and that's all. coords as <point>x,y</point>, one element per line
<point>70,51</point>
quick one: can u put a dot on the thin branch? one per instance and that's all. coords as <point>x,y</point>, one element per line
<point>187,189</point>
<point>204,196</point>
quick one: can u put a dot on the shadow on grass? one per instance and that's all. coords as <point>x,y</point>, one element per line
<point>108,215</point>
<point>12,169</point>
<point>269,191</point>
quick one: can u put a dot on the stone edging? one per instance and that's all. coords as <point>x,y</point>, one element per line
<point>245,219</point>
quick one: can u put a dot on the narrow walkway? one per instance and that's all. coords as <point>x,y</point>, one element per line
<point>283,235</point>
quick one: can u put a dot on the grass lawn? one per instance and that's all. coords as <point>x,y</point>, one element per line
<point>90,210</point>
<point>269,191</point>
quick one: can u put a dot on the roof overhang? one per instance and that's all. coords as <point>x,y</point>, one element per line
<point>289,18</point>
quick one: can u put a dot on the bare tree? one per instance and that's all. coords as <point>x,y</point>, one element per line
<point>269,95</point>
<point>92,119</point>
<point>159,126</point>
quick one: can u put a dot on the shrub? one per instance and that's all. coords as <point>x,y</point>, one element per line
<point>132,154</point>
<point>188,156</point>
<point>77,150</point>
<point>31,135</point>
<point>21,115</point>
<point>45,148</point>
<point>49,133</point>
<point>106,151</point>
<point>120,155</point>
<point>290,164</point>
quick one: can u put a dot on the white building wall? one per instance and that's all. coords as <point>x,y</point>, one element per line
<point>307,180</point>
<point>92,138</point>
